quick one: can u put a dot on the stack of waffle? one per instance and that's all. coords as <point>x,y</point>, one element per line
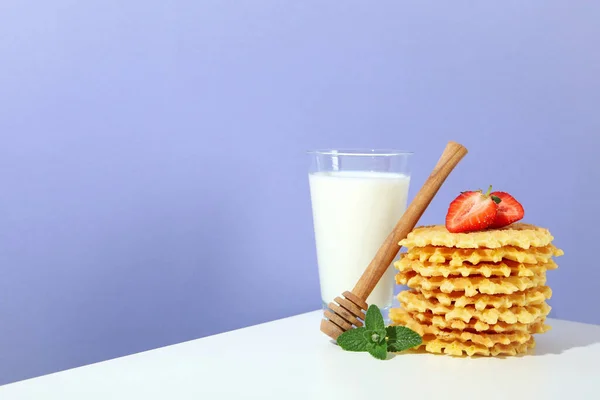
<point>479,293</point>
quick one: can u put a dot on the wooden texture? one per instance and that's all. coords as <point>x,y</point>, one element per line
<point>361,303</point>
<point>449,159</point>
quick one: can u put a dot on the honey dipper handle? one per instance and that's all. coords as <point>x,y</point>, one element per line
<point>451,156</point>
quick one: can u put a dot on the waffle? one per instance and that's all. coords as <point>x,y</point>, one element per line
<point>504,268</point>
<point>477,293</point>
<point>534,295</point>
<point>537,326</point>
<point>457,348</point>
<point>457,257</point>
<point>486,339</point>
<point>519,235</point>
<point>399,316</point>
<point>490,316</point>
<point>470,286</point>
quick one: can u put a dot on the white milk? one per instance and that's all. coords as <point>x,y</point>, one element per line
<point>353,212</point>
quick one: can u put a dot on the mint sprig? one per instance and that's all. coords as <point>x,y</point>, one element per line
<point>353,340</point>
<point>374,319</point>
<point>400,338</point>
<point>377,339</point>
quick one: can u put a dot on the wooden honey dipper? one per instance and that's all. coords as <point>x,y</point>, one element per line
<point>349,310</point>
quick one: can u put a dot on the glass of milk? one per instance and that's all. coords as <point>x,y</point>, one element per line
<point>357,198</point>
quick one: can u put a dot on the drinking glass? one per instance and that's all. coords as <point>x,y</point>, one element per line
<point>357,197</point>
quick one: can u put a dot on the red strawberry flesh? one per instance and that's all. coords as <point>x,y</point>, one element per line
<point>509,210</point>
<point>471,211</point>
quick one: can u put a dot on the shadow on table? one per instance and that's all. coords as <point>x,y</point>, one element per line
<point>565,337</point>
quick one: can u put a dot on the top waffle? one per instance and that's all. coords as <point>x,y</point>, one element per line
<point>518,235</point>
<point>459,257</point>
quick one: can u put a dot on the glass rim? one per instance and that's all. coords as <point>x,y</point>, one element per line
<point>358,152</point>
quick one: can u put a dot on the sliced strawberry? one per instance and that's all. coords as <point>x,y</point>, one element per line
<point>472,211</point>
<point>509,210</point>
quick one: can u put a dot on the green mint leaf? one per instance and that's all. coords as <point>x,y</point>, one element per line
<point>374,319</point>
<point>379,336</point>
<point>400,338</point>
<point>378,351</point>
<point>375,337</point>
<point>353,340</point>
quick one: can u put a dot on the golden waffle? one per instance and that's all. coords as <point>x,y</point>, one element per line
<point>397,315</point>
<point>490,316</point>
<point>471,286</point>
<point>504,268</point>
<point>537,326</point>
<point>457,348</point>
<point>457,257</point>
<point>403,318</point>
<point>518,235</point>
<point>534,295</point>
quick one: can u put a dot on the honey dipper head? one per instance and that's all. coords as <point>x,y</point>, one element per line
<point>342,314</point>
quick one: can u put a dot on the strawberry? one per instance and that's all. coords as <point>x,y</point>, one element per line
<point>472,211</point>
<point>509,210</point>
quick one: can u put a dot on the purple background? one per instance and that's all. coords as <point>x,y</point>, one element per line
<point>152,158</point>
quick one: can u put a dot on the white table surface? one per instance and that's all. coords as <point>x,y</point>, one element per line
<point>292,359</point>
